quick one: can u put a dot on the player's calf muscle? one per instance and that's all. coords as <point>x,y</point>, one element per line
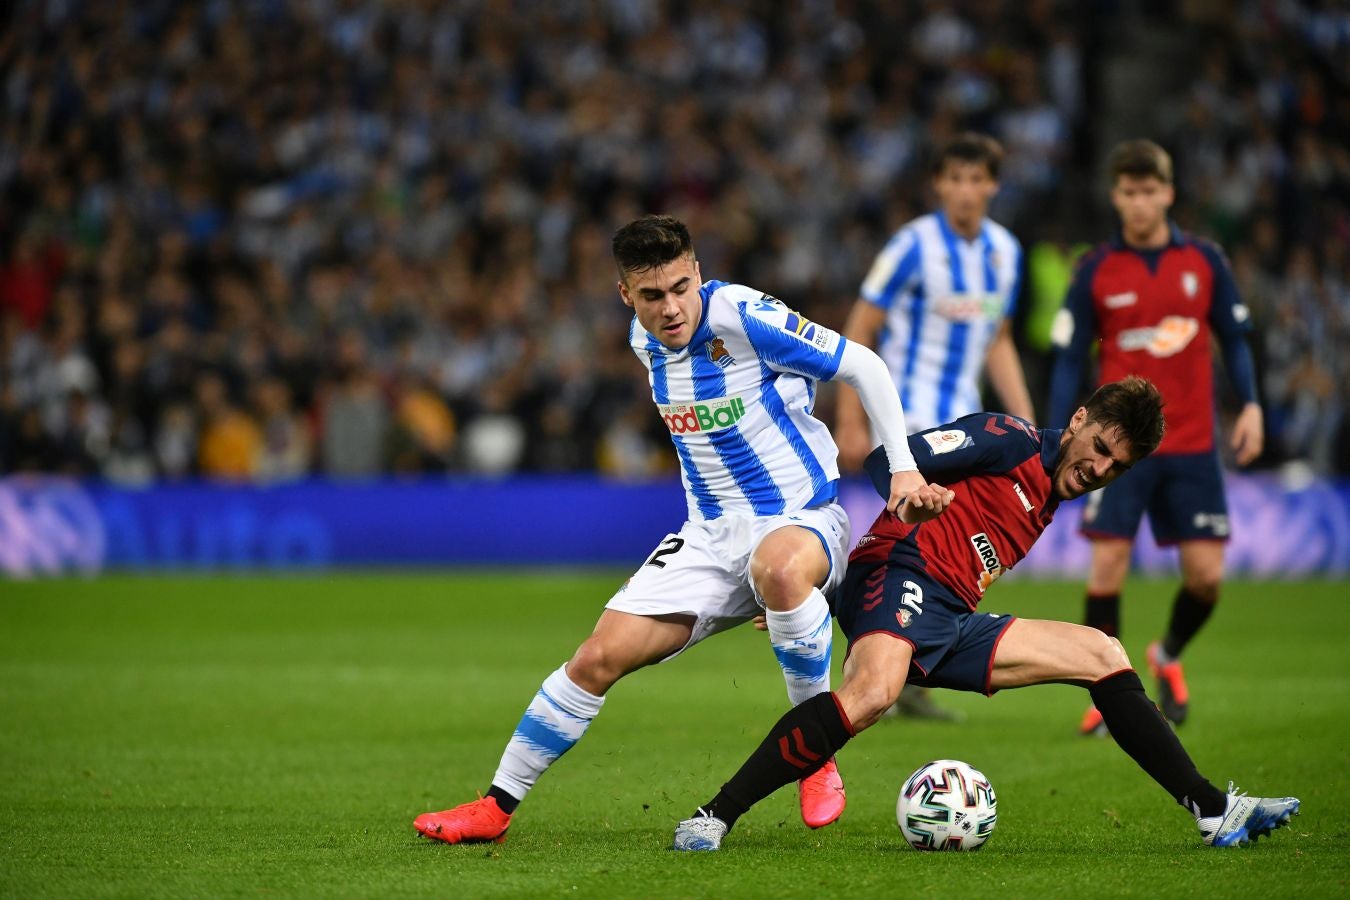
<point>873,679</point>
<point>865,699</point>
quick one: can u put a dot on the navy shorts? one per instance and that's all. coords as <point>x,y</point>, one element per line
<point>1182,494</point>
<point>953,647</point>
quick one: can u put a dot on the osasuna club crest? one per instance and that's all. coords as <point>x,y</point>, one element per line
<point>1190,283</point>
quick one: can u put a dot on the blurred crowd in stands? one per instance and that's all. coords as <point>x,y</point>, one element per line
<point>261,240</point>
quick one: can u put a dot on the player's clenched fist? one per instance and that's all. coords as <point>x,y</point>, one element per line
<point>926,503</point>
<point>902,485</point>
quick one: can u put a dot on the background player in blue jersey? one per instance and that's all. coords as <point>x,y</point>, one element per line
<point>733,374</point>
<point>914,581</point>
<point>937,306</point>
<point>1150,299</point>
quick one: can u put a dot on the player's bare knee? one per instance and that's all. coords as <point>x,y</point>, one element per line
<point>593,668</point>
<point>782,584</point>
<point>1108,656</point>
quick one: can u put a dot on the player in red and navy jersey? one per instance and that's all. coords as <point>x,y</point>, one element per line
<point>1152,299</point>
<point>908,608</point>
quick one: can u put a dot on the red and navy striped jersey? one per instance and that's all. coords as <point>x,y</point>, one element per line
<point>1000,468</point>
<point>1154,311</point>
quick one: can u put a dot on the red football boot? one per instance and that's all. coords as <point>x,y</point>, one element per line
<point>1092,724</point>
<point>1173,695</point>
<point>821,796</point>
<point>469,823</point>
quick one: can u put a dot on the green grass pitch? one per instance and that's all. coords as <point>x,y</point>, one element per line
<point>260,736</point>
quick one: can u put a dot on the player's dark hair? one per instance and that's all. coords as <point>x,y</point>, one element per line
<point>1140,158</point>
<point>970,147</point>
<point>1134,406</point>
<point>649,242</point>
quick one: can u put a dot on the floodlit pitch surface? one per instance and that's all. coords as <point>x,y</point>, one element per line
<point>276,736</point>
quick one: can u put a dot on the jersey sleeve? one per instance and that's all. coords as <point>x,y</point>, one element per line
<point>1230,320</point>
<point>789,342</point>
<point>1072,335</point>
<point>894,271</point>
<point>974,444</point>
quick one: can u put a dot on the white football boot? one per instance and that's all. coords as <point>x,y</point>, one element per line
<point>703,832</point>
<point>1246,818</point>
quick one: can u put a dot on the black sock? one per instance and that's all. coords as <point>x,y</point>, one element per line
<point>505,801</point>
<point>799,744</point>
<point>1189,612</point>
<point>1102,612</point>
<point>1143,733</point>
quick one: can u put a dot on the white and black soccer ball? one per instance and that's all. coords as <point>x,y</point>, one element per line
<point>947,805</point>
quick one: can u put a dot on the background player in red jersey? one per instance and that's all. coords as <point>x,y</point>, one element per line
<point>908,607</point>
<point>1153,296</point>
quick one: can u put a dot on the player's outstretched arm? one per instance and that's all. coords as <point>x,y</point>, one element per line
<point>868,375</point>
<point>851,433</point>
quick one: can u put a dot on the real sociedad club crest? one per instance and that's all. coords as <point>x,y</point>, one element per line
<point>718,353</point>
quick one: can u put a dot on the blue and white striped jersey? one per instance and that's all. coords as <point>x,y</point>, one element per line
<point>737,401</point>
<point>945,298</point>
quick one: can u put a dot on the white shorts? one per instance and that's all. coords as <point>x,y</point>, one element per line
<point>704,571</point>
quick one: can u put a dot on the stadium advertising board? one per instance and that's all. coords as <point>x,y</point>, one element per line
<point>54,526</point>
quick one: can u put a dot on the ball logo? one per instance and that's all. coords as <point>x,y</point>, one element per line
<point>700,418</point>
<point>992,568</point>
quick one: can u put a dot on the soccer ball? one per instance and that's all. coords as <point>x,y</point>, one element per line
<point>947,805</point>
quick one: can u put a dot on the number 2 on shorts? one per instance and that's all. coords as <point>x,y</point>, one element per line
<point>668,546</point>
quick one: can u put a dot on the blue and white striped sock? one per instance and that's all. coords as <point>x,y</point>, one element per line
<point>556,719</point>
<point>801,640</point>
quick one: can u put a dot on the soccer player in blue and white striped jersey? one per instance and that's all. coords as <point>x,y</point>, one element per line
<point>937,306</point>
<point>938,301</point>
<point>733,373</point>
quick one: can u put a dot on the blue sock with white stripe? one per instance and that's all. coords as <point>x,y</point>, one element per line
<point>556,719</point>
<point>801,640</point>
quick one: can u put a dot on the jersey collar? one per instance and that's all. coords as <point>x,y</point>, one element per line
<point>703,333</point>
<point>1175,238</point>
<point>950,235</point>
<point>1050,439</point>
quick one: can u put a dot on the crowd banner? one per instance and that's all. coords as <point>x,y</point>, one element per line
<point>52,526</point>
